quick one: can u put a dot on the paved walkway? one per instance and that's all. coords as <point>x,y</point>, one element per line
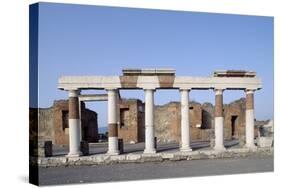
<point>153,170</point>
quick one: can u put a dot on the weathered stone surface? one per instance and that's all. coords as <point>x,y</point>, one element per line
<point>44,149</point>
<point>131,127</point>
<point>103,159</point>
<point>168,120</point>
<point>52,123</point>
<point>133,157</point>
<point>265,141</point>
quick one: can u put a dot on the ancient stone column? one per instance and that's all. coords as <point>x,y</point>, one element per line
<point>250,119</point>
<point>185,135</point>
<point>112,123</point>
<point>149,122</point>
<point>219,120</point>
<point>74,124</point>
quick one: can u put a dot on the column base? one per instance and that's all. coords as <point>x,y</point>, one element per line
<point>251,146</point>
<point>219,148</point>
<point>74,154</point>
<point>185,149</point>
<point>113,153</point>
<point>146,151</point>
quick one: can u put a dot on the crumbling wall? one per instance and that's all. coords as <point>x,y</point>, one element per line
<point>46,124</point>
<point>131,126</point>
<point>89,124</point>
<point>234,119</point>
<point>52,123</point>
<point>167,121</point>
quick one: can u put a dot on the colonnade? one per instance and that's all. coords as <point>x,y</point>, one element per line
<point>74,121</point>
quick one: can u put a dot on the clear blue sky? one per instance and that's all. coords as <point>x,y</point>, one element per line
<point>93,40</point>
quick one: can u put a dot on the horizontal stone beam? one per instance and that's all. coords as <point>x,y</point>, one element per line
<point>95,97</point>
<point>157,82</point>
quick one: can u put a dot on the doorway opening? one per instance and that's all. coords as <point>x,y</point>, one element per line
<point>234,126</point>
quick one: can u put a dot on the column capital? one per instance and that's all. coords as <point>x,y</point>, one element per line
<point>73,93</point>
<point>249,91</point>
<point>111,89</point>
<point>218,91</point>
<point>149,89</point>
<point>185,89</point>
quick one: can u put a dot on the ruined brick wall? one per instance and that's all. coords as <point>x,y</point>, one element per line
<point>234,119</point>
<point>41,124</point>
<point>46,124</point>
<point>131,127</point>
<point>167,121</point>
<point>61,128</point>
<point>53,123</point>
<point>89,124</point>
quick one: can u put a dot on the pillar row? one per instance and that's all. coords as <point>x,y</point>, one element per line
<point>185,134</point>
<point>250,118</point>
<point>219,120</point>
<point>74,124</point>
<point>149,121</point>
<point>112,123</point>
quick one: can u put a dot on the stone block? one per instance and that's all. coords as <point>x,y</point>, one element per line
<point>120,145</point>
<point>265,142</point>
<point>242,140</point>
<point>45,149</point>
<point>133,157</point>
<point>84,147</point>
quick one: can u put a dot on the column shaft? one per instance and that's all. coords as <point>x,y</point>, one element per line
<point>112,123</point>
<point>74,124</point>
<point>219,121</point>
<point>250,119</point>
<point>185,134</point>
<point>149,122</point>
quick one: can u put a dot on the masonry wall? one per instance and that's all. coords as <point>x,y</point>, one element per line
<point>46,124</point>
<point>168,121</point>
<point>53,123</point>
<point>131,126</point>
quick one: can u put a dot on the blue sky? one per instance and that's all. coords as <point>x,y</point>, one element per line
<point>95,40</point>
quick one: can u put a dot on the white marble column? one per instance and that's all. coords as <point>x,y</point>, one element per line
<point>149,121</point>
<point>219,121</point>
<point>250,119</point>
<point>112,123</point>
<point>185,135</point>
<point>74,124</point>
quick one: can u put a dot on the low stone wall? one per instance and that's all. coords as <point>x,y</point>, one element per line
<point>104,159</point>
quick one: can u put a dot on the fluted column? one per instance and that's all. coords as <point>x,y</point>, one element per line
<point>149,121</point>
<point>74,124</point>
<point>250,118</point>
<point>112,123</point>
<point>219,120</point>
<point>185,135</point>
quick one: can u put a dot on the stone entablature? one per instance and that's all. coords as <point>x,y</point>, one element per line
<point>144,81</point>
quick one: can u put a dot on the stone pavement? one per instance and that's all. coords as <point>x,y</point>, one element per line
<point>134,154</point>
